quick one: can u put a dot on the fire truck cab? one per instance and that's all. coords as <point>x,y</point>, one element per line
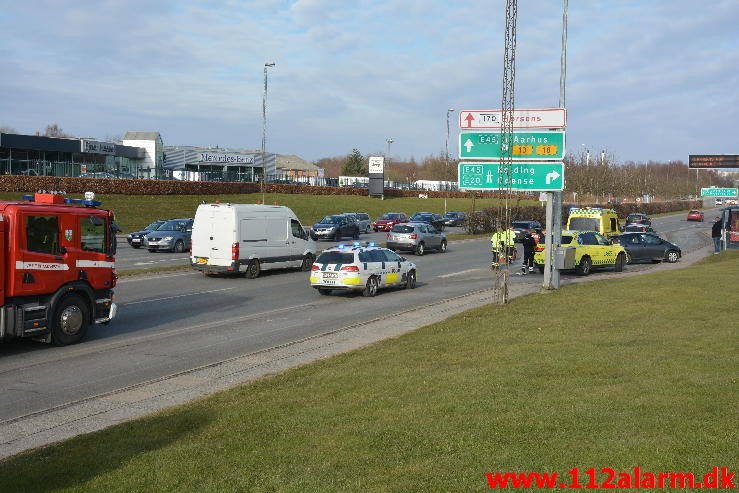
<point>57,267</point>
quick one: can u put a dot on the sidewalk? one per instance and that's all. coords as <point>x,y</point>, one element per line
<point>112,408</point>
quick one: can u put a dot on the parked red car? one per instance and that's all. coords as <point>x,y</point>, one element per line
<point>695,215</point>
<point>388,220</point>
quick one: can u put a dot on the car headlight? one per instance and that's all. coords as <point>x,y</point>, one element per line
<point>167,239</point>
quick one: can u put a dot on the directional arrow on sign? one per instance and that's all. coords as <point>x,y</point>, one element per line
<point>469,145</point>
<point>551,177</point>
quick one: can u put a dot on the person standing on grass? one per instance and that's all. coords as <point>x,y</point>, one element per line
<point>716,236</point>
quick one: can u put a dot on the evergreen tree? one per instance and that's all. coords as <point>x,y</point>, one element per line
<point>354,165</point>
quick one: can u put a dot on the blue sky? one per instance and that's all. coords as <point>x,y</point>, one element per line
<point>646,80</point>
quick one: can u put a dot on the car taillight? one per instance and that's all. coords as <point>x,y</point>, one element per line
<point>234,251</point>
<point>349,268</point>
<point>413,236</point>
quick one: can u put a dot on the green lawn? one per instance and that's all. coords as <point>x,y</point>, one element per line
<point>639,371</point>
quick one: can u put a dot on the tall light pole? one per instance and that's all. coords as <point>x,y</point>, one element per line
<point>389,141</point>
<point>446,155</point>
<point>264,124</point>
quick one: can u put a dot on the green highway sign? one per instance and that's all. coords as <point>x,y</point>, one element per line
<point>524,146</point>
<point>719,192</point>
<point>517,176</point>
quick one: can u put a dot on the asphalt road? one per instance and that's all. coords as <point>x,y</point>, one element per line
<point>176,322</point>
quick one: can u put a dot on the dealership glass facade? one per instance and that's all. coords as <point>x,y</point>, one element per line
<point>52,156</point>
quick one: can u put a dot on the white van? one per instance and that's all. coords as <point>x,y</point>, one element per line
<point>249,238</point>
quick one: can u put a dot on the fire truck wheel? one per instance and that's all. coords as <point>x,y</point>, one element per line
<point>70,321</point>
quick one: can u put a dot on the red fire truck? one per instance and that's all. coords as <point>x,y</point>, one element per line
<point>57,267</point>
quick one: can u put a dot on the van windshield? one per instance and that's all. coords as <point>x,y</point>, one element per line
<point>584,224</point>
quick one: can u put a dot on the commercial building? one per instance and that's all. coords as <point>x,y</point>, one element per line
<point>144,155</point>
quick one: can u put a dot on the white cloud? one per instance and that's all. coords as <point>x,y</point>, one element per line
<point>646,80</point>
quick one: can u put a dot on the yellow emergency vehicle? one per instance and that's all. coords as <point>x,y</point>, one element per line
<point>604,221</point>
<point>592,251</point>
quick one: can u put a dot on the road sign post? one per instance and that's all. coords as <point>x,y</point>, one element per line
<point>523,145</point>
<point>520,176</point>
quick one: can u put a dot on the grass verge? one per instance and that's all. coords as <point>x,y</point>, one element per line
<point>639,371</point>
<point>136,211</point>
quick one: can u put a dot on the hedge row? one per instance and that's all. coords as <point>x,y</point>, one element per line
<point>15,183</point>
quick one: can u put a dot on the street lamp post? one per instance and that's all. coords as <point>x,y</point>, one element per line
<point>446,156</point>
<point>264,125</point>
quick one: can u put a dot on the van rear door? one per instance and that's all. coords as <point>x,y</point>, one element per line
<point>213,234</point>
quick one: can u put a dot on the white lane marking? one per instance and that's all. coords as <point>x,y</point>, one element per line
<point>175,297</point>
<point>461,272</point>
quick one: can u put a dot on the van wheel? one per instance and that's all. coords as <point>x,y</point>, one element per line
<point>252,270</point>
<point>70,321</point>
<point>179,246</point>
<point>370,288</point>
<point>307,263</point>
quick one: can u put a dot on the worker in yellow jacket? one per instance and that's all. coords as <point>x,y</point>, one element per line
<point>502,242</point>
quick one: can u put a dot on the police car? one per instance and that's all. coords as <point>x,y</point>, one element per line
<point>592,250</point>
<point>361,267</point>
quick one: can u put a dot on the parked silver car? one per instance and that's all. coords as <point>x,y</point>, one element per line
<point>363,219</point>
<point>416,237</point>
<point>174,235</point>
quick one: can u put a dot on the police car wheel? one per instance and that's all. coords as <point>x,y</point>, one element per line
<point>70,321</point>
<point>584,268</point>
<point>410,280</point>
<point>252,270</point>
<point>370,289</point>
<point>442,248</point>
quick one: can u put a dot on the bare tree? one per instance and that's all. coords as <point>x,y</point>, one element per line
<point>54,130</point>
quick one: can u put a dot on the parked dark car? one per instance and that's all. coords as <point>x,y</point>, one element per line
<point>136,239</point>
<point>648,247</point>
<point>638,228</point>
<point>335,228</point>
<point>638,218</point>
<point>431,218</point>
<point>520,227</point>
<point>454,218</point>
